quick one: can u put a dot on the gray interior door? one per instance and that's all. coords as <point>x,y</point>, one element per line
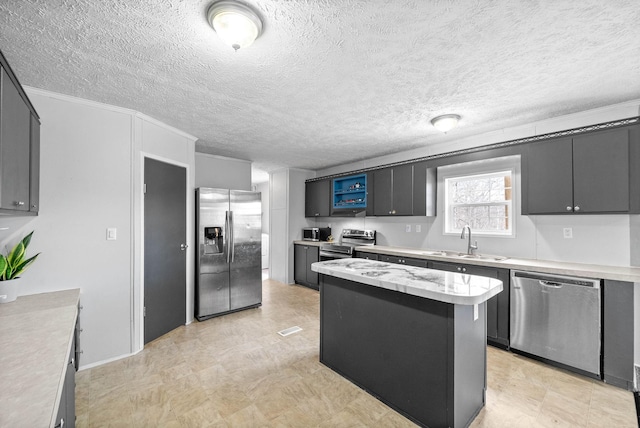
<point>165,234</point>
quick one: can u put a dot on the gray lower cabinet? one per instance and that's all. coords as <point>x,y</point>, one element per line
<point>403,261</point>
<point>392,259</point>
<point>582,174</point>
<point>497,306</point>
<point>393,191</point>
<point>304,256</point>
<point>66,416</point>
<point>317,198</point>
<point>365,255</point>
<point>19,147</point>
<point>617,325</point>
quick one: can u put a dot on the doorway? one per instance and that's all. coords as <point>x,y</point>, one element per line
<point>165,237</point>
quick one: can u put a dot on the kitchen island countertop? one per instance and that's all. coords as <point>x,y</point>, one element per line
<point>447,287</point>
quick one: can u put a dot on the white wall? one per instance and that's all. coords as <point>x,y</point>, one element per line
<point>90,180</point>
<point>286,191</point>
<point>263,188</point>
<point>222,172</point>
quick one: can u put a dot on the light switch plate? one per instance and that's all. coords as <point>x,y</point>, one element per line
<point>111,234</point>
<point>407,228</point>
<point>567,232</point>
<point>418,228</point>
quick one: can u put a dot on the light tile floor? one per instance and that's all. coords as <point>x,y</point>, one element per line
<point>236,371</point>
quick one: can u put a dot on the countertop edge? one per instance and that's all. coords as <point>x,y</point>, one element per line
<point>455,299</point>
<point>63,372</point>
<point>615,273</point>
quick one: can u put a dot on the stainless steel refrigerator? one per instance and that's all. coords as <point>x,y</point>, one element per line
<point>229,257</point>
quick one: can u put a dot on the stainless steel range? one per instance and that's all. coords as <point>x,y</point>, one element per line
<point>349,239</point>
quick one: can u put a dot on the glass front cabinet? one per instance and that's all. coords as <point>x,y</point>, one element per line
<point>349,194</point>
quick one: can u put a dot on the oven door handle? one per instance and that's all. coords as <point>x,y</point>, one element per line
<point>335,255</point>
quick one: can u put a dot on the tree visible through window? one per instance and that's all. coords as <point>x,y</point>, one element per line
<point>483,201</point>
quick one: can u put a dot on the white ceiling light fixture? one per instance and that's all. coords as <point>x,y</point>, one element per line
<point>236,24</point>
<point>446,122</point>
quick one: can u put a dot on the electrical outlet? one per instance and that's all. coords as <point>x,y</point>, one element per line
<point>567,232</point>
<point>418,228</point>
<point>407,228</point>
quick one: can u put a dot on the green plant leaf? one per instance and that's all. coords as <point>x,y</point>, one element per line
<point>26,240</point>
<point>17,270</point>
<point>16,255</point>
<point>3,265</point>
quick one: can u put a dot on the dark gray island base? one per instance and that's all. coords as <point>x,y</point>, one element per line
<point>424,358</point>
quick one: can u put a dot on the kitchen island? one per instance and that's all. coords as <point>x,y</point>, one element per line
<point>414,338</point>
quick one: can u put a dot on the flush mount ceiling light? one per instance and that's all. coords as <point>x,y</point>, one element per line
<point>236,24</point>
<point>446,122</point>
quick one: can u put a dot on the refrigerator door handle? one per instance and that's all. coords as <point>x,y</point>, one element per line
<point>233,238</point>
<point>228,233</point>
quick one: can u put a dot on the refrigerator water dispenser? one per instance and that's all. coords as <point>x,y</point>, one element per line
<point>213,240</point>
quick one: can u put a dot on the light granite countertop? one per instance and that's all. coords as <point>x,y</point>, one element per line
<point>616,273</point>
<point>448,287</point>
<point>35,340</point>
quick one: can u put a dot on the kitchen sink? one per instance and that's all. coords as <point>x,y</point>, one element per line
<point>483,257</point>
<point>459,255</point>
<point>443,253</point>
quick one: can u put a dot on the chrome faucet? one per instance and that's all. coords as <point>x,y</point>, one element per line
<point>470,248</point>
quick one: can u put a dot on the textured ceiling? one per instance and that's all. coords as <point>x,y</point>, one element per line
<point>330,82</point>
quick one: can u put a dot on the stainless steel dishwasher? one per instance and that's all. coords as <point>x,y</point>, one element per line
<point>557,318</point>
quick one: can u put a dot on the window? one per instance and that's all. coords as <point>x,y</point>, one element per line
<point>482,201</point>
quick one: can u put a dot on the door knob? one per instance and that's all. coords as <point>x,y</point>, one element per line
<point>577,208</point>
<point>569,209</point>
<point>183,247</point>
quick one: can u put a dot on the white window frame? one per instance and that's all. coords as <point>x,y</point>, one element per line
<point>461,171</point>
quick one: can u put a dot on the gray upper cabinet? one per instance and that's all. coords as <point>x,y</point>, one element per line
<point>34,178</point>
<point>393,191</point>
<point>19,147</point>
<point>317,198</point>
<point>15,134</point>
<point>584,174</point>
<point>601,172</point>
<point>425,184</point>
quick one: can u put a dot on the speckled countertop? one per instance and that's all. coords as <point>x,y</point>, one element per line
<point>448,287</point>
<point>35,340</point>
<point>617,273</point>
